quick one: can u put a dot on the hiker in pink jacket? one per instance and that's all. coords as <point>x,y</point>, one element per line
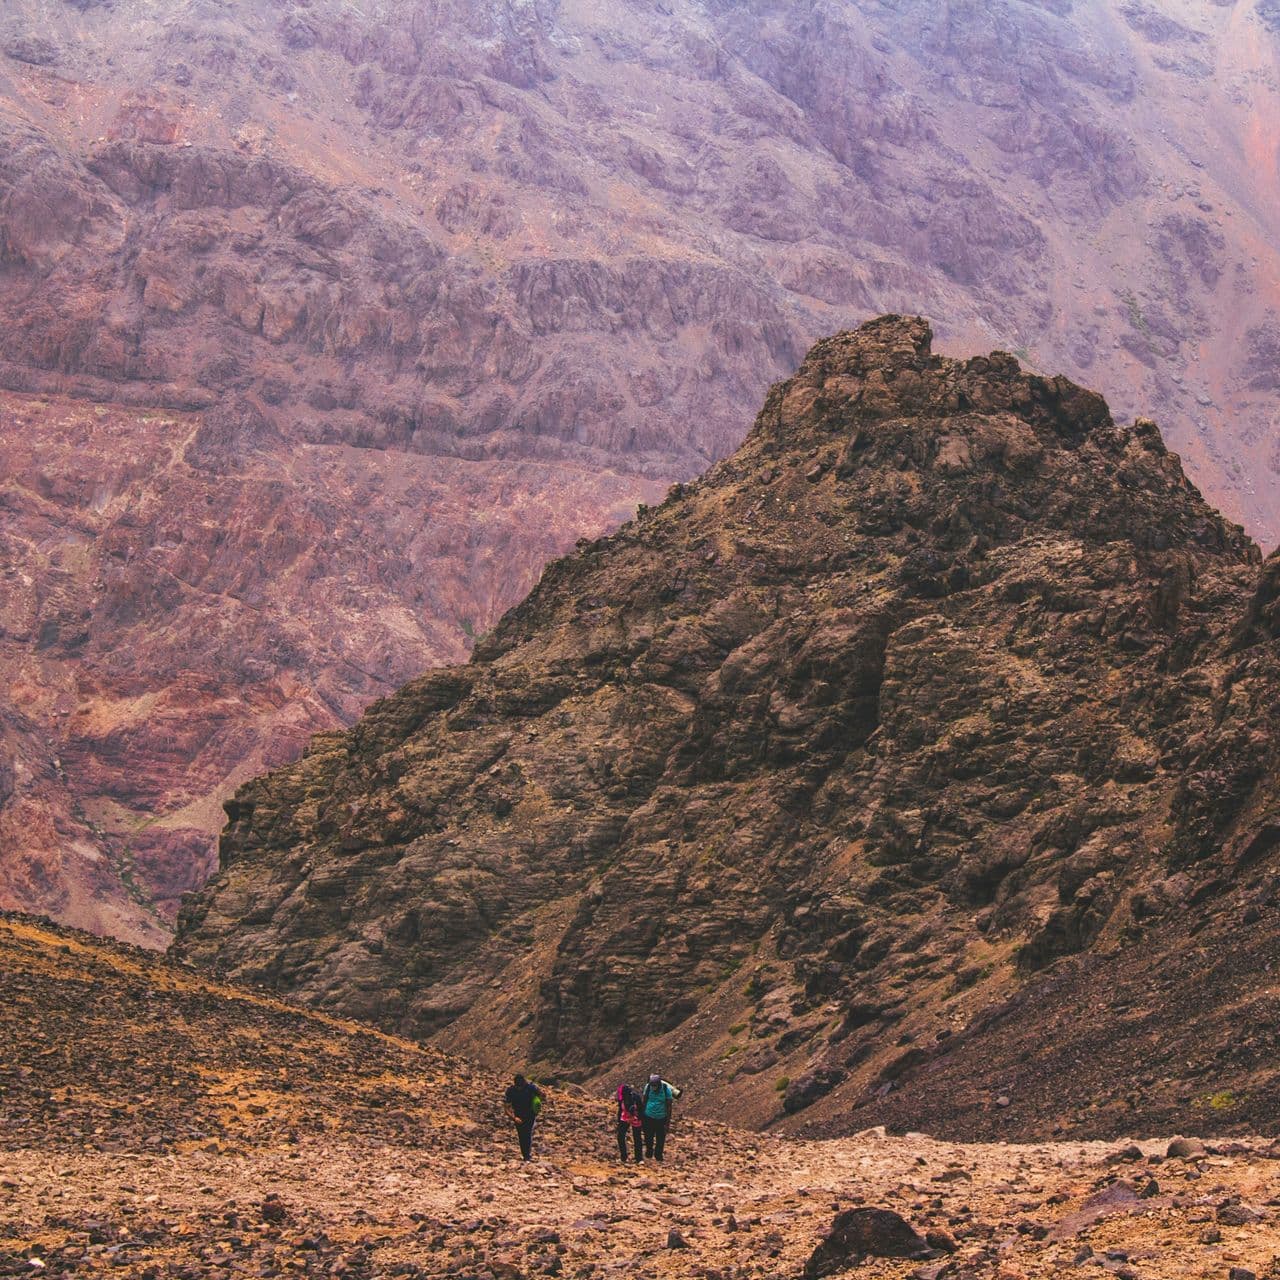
<point>628,1100</point>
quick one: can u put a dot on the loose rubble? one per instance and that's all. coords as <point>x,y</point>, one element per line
<point>162,1126</point>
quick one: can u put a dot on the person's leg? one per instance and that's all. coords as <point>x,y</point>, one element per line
<point>524,1131</point>
<point>659,1138</point>
<point>623,1126</point>
<point>637,1141</point>
<point>647,1128</point>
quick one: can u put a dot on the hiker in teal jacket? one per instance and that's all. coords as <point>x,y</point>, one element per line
<point>655,1114</point>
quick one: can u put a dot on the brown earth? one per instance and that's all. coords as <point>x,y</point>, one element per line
<point>579,235</point>
<point>916,765</point>
<point>161,1125</point>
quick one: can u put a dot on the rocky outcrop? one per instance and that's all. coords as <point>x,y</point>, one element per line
<point>927,721</point>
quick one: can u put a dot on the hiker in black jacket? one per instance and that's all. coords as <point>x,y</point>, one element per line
<point>523,1102</point>
<point>629,1122</point>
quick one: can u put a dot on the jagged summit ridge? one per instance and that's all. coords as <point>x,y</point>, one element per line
<point>886,368</point>
<point>926,698</point>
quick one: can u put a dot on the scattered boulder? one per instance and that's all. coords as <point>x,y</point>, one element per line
<point>932,1271</point>
<point>1126,1155</point>
<point>942,1241</point>
<point>1185,1148</point>
<point>1118,1197</point>
<point>1234,1213</point>
<point>862,1233</point>
<point>274,1209</point>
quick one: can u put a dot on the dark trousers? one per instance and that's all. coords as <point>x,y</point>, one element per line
<point>524,1131</point>
<point>655,1136</point>
<point>623,1129</point>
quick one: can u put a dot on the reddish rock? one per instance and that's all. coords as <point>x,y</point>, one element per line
<point>537,265</point>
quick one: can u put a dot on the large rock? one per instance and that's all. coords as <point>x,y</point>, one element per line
<point>858,1234</point>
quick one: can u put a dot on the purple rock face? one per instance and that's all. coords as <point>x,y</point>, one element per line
<point>541,261</point>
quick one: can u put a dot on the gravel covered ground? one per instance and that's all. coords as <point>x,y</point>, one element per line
<point>157,1124</point>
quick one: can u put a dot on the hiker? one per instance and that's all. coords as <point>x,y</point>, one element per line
<point>629,1122</point>
<point>523,1102</point>
<point>655,1114</point>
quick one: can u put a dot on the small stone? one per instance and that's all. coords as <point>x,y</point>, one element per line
<point>675,1240</point>
<point>1002,1100</point>
<point>1241,1273</point>
<point>1185,1148</point>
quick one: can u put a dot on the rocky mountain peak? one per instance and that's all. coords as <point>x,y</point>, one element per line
<point>886,369</point>
<point>940,706</point>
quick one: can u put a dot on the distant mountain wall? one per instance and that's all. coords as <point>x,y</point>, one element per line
<point>325,326</point>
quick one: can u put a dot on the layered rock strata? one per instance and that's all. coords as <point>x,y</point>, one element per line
<point>408,297</point>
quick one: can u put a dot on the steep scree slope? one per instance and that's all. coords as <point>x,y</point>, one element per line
<point>928,733</point>
<point>294,249</point>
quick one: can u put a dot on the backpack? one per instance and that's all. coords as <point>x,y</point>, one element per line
<point>628,1106</point>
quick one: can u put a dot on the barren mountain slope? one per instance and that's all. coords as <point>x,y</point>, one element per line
<point>928,733</point>
<point>161,1125</point>
<point>339,242</point>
